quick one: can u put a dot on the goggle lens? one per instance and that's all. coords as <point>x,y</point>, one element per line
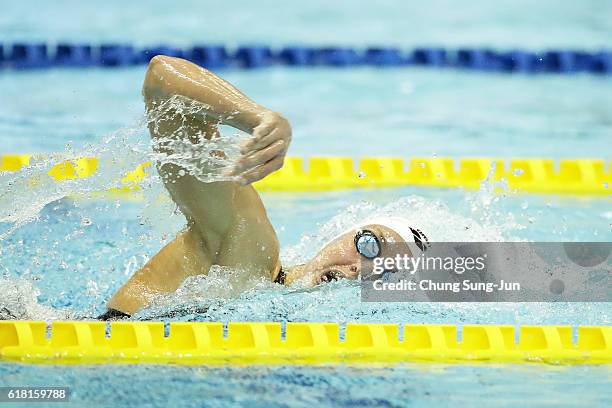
<point>367,244</point>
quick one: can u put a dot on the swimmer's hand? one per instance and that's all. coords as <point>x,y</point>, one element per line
<point>265,151</point>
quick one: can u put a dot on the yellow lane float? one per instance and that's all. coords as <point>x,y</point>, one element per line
<point>567,176</point>
<point>301,343</point>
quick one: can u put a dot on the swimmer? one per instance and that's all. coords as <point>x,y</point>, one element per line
<point>227,223</point>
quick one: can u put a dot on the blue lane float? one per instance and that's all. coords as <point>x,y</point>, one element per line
<point>28,56</point>
<point>210,56</point>
<point>385,57</point>
<point>68,55</point>
<point>114,55</point>
<point>433,57</point>
<point>338,57</point>
<point>39,55</point>
<point>253,57</point>
<point>300,56</point>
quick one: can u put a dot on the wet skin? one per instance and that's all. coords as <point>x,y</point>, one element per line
<point>227,223</point>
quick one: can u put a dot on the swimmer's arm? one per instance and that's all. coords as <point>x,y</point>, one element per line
<point>164,273</point>
<point>262,154</point>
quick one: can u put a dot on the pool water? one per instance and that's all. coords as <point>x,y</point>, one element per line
<point>68,261</point>
<point>415,385</point>
<point>354,112</point>
<point>97,245</point>
<point>65,253</point>
<point>505,23</point>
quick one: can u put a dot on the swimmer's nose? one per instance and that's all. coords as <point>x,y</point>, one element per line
<point>353,271</point>
<point>328,276</point>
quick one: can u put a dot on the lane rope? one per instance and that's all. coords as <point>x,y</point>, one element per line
<point>567,176</point>
<point>25,55</point>
<point>297,343</point>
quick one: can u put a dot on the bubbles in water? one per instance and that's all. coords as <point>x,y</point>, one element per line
<point>207,157</point>
<point>420,212</point>
<point>18,301</point>
<point>198,293</point>
<point>23,194</point>
<point>28,191</point>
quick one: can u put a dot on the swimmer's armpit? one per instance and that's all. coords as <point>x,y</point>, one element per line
<point>112,314</point>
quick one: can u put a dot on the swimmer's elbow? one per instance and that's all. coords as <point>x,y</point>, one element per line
<point>157,79</point>
<point>160,60</point>
<point>166,76</point>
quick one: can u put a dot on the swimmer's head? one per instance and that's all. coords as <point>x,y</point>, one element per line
<point>342,257</point>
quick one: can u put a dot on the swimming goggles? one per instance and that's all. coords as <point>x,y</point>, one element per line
<point>367,244</point>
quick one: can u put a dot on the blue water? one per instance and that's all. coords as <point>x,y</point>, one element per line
<point>69,257</point>
<point>353,112</point>
<point>416,385</point>
<point>505,23</point>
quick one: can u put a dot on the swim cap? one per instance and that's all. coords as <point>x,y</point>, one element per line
<point>415,239</point>
<point>401,226</point>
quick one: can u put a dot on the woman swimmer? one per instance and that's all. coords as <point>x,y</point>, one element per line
<point>227,223</point>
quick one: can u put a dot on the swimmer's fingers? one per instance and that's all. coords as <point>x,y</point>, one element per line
<point>265,151</point>
<point>253,145</point>
<point>272,128</point>
<point>260,157</point>
<point>259,133</point>
<point>266,126</point>
<point>260,172</point>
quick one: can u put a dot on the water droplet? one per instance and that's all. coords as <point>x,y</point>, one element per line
<point>517,172</point>
<point>524,205</point>
<point>181,172</point>
<point>362,174</point>
<point>86,222</point>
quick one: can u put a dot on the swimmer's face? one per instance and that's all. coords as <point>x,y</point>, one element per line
<point>340,260</point>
